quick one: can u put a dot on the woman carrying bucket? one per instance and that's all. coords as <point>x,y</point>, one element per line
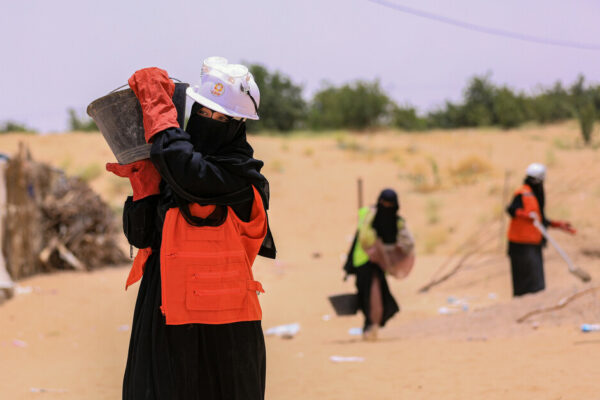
<point>198,215</point>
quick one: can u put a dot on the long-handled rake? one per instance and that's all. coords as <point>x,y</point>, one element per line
<point>578,272</point>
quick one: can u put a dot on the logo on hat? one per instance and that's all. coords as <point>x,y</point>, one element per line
<point>218,89</point>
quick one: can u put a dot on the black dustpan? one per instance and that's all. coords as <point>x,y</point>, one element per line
<point>344,304</point>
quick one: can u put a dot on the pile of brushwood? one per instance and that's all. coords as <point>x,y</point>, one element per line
<point>55,222</point>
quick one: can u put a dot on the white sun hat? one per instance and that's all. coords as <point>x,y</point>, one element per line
<point>226,88</point>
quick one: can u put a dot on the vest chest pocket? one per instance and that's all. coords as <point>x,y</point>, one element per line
<point>216,288</point>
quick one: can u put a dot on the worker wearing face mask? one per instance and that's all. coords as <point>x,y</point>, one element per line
<point>198,214</point>
<point>525,241</point>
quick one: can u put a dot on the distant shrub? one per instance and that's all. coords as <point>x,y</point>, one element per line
<point>469,170</point>
<point>586,115</point>
<point>282,107</point>
<point>509,110</point>
<point>432,209</point>
<point>12,126</point>
<point>424,179</point>
<point>81,124</point>
<point>550,105</point>
<point>358,105</point>
<point>90,172</point>
<point>406,118</point>
<point>479,102</point>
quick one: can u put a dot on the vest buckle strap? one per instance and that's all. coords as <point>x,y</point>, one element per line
<point>255,286</point>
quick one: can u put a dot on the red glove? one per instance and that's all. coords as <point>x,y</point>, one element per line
<point>143,176</point>
<point>154,90</point>
<point>563,225</point>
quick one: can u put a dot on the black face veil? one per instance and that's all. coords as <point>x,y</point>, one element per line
<point>211,137</point>
<point>385,222</point>
<point>537,187</point>
<point>225,144</point>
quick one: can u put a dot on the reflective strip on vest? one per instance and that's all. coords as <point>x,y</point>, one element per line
<point>521,228</point>
<point>359,256</point>
<point>206,271</point>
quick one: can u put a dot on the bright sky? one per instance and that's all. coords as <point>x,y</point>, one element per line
<point>62,53</point>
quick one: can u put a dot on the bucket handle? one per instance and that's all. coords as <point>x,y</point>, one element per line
<point>127,84</point>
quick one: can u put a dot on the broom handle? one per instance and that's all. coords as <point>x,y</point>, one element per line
<point>560,251</point>
<point>360,192</point>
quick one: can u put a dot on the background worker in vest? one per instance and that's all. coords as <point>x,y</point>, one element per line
<point>382,245</point>
<point>198,215</point>
<point>525,241</point>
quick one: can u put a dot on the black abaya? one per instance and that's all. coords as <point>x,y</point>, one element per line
<point>527,268</point>
<point>192,361</point>
<point>364,278</point>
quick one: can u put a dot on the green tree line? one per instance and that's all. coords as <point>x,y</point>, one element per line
<point>363,105</point>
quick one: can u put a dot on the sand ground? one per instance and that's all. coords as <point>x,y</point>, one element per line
<point>68,332</point>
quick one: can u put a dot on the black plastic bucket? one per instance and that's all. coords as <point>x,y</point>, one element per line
<point>119,118</point>
<point>344,304</point>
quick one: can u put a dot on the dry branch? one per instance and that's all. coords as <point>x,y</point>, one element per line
<point>561,304</point>
<point>54,221</point>
<point>477,248</point>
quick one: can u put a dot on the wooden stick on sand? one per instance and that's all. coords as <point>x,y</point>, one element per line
<point>561,304</point>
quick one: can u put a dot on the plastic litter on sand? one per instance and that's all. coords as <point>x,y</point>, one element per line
<point>355,331</point>
<point>285,331</point>
<point>590,327</point>
<point>19,343</point>
<point>43,390</point>
<point>23,289</point>
<point>342,359</point>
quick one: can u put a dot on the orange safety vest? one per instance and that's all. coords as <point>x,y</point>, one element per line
<point>521,228</point>
<point>206,272</point>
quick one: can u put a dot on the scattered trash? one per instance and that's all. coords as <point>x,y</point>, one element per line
<point>455,305</point>
<point>284,331</point>
<point>492,296</point>
<point>341,359</point>
<point>23,289</point>
<point>456,301</point>
<point>43,390</point>
<point>123,328</point>
<point>355,331</point>
<point>447,310</point>
<point>19,343</point>
<point>590,327</point>
<point>476,339</point>
<point>326,317</point>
